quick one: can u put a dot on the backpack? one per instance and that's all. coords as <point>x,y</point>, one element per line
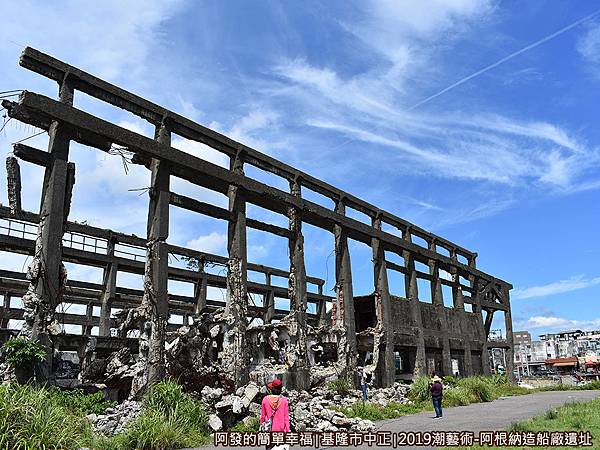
<point>267,425</point>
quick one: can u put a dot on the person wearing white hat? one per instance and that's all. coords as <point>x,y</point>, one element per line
<point>436,390</point>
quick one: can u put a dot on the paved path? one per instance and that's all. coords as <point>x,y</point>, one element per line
<point>496,415</point>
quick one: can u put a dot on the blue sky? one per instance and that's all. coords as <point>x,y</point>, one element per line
<point>506,164</point>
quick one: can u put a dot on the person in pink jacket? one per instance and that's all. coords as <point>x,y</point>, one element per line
<point>276,408</point>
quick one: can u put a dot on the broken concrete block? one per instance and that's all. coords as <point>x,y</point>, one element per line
<point>215,423</point>
<point>214,331</point>
<point>237,405</point>
<point>224,403</point>
<point>254,408</point>
<point>250,393</point>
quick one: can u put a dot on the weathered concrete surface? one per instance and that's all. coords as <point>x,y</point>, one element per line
<point>477,417</point>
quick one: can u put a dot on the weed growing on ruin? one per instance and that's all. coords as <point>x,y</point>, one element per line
<point>32,419</point>
<point>341,386</point>
<point>479,389</point>
<point>374,411</point>
<point>419,389</point>
<point>170,419</point>
<point>22,353</point>
<point>80,403</point>
<point>251,426</point>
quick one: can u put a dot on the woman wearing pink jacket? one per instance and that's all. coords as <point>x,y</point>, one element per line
<point>275,409</point>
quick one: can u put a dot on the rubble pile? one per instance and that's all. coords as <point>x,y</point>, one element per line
<point>314,411</point>
<point>115,420</point>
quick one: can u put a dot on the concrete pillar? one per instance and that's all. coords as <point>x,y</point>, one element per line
<point>321,308</point>
<point>412,294</point>
<point>269,301</point>
<point>344,302</point>
<point>459,305</point>
<point>383,307</point>
<point>110,290</point>
<point>156,301</point>
<point>89,314</point>
<point>510,358</point>
<point>437,299</point>
<point>48,252</point>
<point>475,283</point>
<point>5,305</point>
<point>235,351</point>
<point>201,289</point>
<point>297,292</point>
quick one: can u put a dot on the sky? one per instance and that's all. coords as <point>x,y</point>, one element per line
<point>474,119</point>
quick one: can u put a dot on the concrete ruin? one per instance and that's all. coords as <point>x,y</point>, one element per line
<point>220,342</point>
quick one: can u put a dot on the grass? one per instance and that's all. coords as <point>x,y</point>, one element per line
<point>581,416</point>
<point>79,403</point>
<point>39,418</point>
<point>32,419</point>
<point>170,419</point>
<point>341,386</point>
<point>251,427</point>
<point>374,411</point>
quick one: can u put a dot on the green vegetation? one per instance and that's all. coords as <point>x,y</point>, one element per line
<point>374,411</point>
<point>570,417</point>
<point>170,419</point>
<point>21,353</point>
<point>79,403</point>
<point>32,419</point>
<point>39,418</point>
<point>252,426</point>
<point>419,390</point>
<point>341,386</point>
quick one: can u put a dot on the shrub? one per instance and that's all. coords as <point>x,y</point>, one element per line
<point>449,381</point>
<point>170,419</point>
<point>456,396</point>
<point>419,389</point>
<point>252,426</point>
<point>594,385</point>
<point>373,411</point>
<point>80,403</point>
<point>479,389</point>
<point>341,386</point>
<point>21,353</point>
<point>32,419</point>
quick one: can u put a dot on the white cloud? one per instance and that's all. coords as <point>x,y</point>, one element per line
<point>589,47</point>
<point>110,38</point>
<point>558,287</point>
<point>554,323</point>
<point>210,243</point>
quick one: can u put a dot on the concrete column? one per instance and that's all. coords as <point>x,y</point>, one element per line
<point>321,308</point>
<point>488,322</point>
<point>383,307</point>
<point>89,314</point>
<point>412,294</point>
<point>344,302</point>
<point>437,299</point>
<point>201,290</point>
<point>235,352</point>
<point>156,301</point>
<point>297,292</point>
<point>475,283</point>
<point>5,305</point>
<point>459,305</point>
<point>110,290</point>
<point>510,358</point>
<point>269,299</point>
<point>47,260</point>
